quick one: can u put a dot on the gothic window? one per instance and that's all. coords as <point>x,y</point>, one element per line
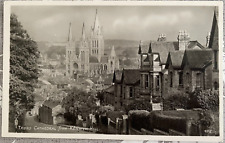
<point>97,43</point>
<point>97,51</point>
<point>188,80</point>
<point>111,64</point>
<point>171,79</point>
<point>131,92</point>
<point>180,78</point>
<point>105,67</point>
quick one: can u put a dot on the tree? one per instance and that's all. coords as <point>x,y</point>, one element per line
<point>79,102</point>
<point>176,99</point>
<point>24,56</point>
<point>205,99</point>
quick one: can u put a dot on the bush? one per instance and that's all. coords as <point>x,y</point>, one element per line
<point>176,99</point>
<point>114,114</point>
<point>140,119</point>
<point>205,99</point>
<point>139,105</point>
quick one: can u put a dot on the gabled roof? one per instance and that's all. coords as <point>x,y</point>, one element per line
<point>110,89</point>
<point>131,76</point>
<point>213,41</point>
<point>51,103</point>
<point>175,58</point>
<point>164,47</point>
<point>117,76</point>
<point>93,59</point>
<point>197,59</point>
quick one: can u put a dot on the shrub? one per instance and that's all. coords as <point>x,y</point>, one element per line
<point>140,119</point>
<point>176,99</point>
<point>114,114</point>
<point>205,99</point>
<point>139,105</point>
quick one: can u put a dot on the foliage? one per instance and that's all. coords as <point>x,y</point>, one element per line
<point>140,119</point>
<point>79,102</point>
<point>24,56</point>
<point>139,105</point>
<point>176,99</point>
<point>205,99</point>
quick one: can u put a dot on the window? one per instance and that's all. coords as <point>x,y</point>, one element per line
<point>121,103</point>
<point>198,80</point>
<point>216,86</point>
<point>146,81</point>
<point>97,43</point>
<point>157,83</point>
<point>215,60</point>
<point>181,78</point>
<point>121,91</point>
<point>171,79</point>
<point>131,92</point>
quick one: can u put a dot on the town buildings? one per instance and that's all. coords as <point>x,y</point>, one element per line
<point>167,66</point>
<point>88,56</point>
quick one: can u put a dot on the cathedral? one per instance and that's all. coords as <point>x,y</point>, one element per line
<point>88,56</point>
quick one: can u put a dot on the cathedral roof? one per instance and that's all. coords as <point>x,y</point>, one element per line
<point>104,59</point>
<point>93,59</point>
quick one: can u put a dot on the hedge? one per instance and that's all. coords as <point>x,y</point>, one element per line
<point>165,122</point>
<point>140,119</point>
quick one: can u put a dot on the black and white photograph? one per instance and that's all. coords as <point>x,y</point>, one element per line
<point>113,71</point>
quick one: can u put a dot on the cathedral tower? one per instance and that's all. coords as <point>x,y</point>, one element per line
<point>96,39</point>
<point>84,52</point>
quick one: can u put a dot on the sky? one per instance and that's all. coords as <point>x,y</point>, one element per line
<point>51,23</point>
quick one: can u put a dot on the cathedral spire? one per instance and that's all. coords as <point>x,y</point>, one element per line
<point>113,53</point>
<point>97,26</point>
<point>83,31</point>
<point>70,36</point>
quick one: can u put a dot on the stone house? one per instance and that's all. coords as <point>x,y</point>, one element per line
<point>175,72</point>
<point>197,69</point>
<point>51,112</point>
<point>127,87</point>
<point>154,75</point>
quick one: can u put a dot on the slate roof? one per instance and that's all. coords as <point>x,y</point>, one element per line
<point>110,89</point>
<point>176,58</point>
<point>51,103</point>
<point>197,59</point>
<point>104,59</point>
<point>131,76</point>
<point>164,47</point>
<point>93,59</point>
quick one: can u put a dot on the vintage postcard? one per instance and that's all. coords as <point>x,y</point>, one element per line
<point>113,70</point>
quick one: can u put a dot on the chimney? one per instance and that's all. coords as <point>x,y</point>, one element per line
<point>207,39</point>
<point>162,37</point>
<point>183,40</point>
